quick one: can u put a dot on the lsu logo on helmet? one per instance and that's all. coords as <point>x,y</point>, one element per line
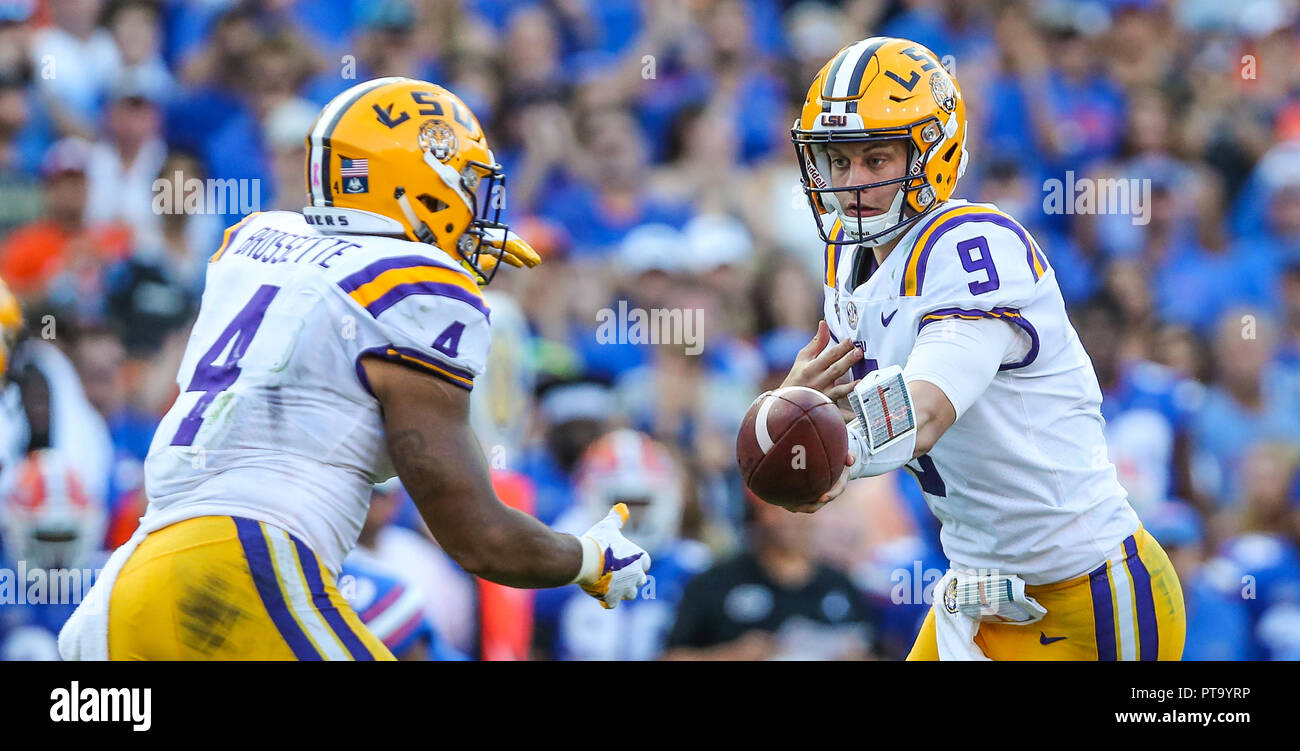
<point>881,89</point>
<point>401,157</point>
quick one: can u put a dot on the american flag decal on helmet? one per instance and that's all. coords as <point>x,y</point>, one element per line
<point>355,175</point>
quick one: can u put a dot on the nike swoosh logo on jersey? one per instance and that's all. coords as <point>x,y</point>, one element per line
<point>884,320</point>
<point>617,564</point>
<point>1044,639</point>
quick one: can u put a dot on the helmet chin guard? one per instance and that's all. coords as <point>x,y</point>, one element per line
<point>873,230</point>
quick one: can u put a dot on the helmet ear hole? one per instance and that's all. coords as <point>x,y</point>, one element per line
<point>431,203</point>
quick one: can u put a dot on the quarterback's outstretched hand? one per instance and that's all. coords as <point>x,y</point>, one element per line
<point>516,251</point>
<point>820,364</point>
<point>613,567</point>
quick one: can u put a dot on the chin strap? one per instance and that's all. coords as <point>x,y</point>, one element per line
<point>422,231</point>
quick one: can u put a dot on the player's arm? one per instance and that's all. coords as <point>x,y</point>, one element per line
<point>934,413</point>
<point>439,460</point>
<point>952,362</point>
<point>426,421</point>
<point>821,363</point>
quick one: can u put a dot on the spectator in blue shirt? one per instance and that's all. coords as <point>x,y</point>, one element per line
<point>612,199</point>
<point>1218,624</point>
<point>1273,246</point>
<point>1250,401</point>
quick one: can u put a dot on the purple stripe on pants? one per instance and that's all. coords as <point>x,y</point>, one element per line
<point>1148,629</point>
<point>1103,613</point>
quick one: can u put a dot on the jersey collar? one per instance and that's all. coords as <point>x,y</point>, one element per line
<point>896,256</point>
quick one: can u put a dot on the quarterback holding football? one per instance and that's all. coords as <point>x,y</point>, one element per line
<point>966,371</point>
<point>333,349</point>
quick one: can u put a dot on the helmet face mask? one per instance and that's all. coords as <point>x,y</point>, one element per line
<point>481,185</point>
<point>487,198</point>
<point>56,547</point>
<point>814,162</point>
<point>868,93</point>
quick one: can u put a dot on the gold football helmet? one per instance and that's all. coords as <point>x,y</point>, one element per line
<point>11,322</point>
<point>401,157</point>
<point>882,89</point>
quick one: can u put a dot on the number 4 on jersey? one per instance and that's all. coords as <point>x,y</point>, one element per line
<point>448,342</point>
<point>211,378</point>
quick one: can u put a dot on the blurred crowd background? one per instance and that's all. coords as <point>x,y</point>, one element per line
<point>647,149</point>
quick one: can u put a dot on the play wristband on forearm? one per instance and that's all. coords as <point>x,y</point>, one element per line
<point>883,435</point>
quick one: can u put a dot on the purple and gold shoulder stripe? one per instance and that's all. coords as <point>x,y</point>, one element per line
<point>833,252</point>
<point>1011,315</point>
<point>416,359</point>
<point>229,235</point>
<point>386,282</point>
<point>914,270</point>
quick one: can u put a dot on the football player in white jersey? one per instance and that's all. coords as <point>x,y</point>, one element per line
<point>333,349</point>
<point>967,372</point>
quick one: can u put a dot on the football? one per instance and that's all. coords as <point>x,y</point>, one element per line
<point>792,446</point>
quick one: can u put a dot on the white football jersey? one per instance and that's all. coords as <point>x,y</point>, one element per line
<point>275,421</point>
<point>1021,482</point>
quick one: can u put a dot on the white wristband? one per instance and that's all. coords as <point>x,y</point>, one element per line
<point>590,568</point>
<point>867,464</point>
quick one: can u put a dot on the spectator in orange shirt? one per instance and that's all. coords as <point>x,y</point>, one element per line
<point>61,242</point>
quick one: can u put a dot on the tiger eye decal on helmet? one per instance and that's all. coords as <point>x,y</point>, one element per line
<point>437,138</point>
<point>875,90</point>
<point>411,157</point>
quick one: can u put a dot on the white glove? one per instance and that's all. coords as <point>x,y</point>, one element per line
<point>613,567</point>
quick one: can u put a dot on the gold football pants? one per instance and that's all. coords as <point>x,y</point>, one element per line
<point>227,588</point>
<point>1128,608</point>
